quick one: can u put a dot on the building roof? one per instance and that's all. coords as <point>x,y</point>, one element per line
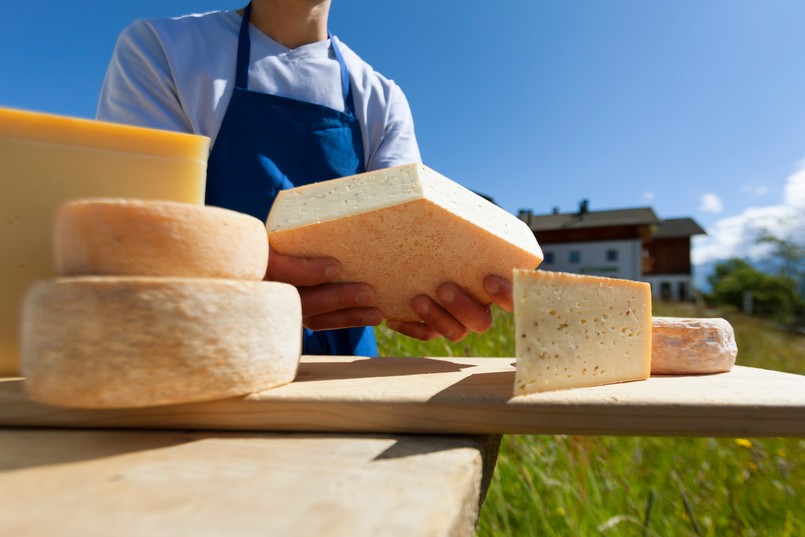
<point>591,219</point>
<point>678,227</point>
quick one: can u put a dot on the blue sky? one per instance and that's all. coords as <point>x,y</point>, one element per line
<point>693,108</point>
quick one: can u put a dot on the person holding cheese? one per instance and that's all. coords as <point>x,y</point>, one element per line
<point>285,103</point>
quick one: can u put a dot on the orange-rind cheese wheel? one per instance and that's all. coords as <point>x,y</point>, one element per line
<point>691,346</point>
<point>127,237</point>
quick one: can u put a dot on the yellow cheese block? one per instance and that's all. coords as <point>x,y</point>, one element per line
<point>404,231</point>
<point>46,160</point>
<point>158,238</point>
<point>574,331</point>
<point>112,342</point>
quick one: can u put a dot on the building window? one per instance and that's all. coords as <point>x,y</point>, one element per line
<point>612,255</point>
<point>575,256</point>
<point>683,292</point>
<point>549,258</point>
<point>665,291</point>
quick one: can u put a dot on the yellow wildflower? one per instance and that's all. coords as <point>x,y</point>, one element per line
<point>743,442</point>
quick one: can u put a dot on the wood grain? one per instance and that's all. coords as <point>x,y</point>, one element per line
<point>463,396</point>
<point>160,483</point>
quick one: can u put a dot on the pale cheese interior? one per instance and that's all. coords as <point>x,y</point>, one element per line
<point>576,331</point>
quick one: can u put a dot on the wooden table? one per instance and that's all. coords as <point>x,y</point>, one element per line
<point>172,483</point>
<point>89,472</point>
<point>462,396</point>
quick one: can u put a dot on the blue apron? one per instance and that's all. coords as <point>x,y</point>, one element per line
<point>269,143</point>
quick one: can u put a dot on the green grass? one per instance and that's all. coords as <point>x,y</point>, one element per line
<point>641,486</point>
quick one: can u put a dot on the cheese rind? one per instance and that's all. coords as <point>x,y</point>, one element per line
<point>689,346</point>
<point>109,342</point>
<point>46,160</point>
<point>45,128</point>
<point>157,238</point>
<point>575,331</point>
<point>404,231</point>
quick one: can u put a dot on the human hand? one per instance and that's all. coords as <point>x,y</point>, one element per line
<point>325,305</point>
<point>456,313</point>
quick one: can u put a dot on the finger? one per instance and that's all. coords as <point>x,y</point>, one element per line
<point>500,289</point>
<point>413,329</point>
<point>477,317</point>
<point>331,297</point>
<point>345,318</point>
<point>438,318</point>
<point>301,271</point>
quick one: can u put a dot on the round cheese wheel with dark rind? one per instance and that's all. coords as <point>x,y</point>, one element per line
<point>689,346</point>
<point>126,237</point>
<point>114,342</point>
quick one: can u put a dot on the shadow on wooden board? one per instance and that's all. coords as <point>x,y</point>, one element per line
<point>375,367</point>
<point>26,448</point>
<point>482,388</point>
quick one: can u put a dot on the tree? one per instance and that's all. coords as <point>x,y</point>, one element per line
<point>775,297</point>
<point>788,254</point>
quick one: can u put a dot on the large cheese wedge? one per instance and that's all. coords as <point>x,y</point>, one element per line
<point>110,342</point>
<point>689,346</point>
<point>158,238</point>
<point>404,231</point>
<point>46,160</point>
<point>574,331</point>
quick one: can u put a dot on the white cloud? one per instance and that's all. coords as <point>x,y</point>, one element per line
<point>711,203</point>
<point>648,195</point>
<point>736,236</point>
<point>755,191</point>
<point>795,188</point>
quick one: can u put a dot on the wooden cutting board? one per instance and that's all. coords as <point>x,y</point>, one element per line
<point>462,395</point>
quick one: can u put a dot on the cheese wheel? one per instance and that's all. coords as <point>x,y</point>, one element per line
<point>575,331</point>
<point>404,231</point>
<point>684,346</point>
<point>129,237</point>
<point>113,342</point>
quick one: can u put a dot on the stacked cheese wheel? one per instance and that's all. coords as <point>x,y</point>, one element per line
<point>157,303</point>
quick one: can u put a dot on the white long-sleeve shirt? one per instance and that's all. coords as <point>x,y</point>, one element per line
<point>178,74</point>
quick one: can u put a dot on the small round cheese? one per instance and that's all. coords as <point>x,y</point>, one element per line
<point>684,346</point>
<point>128,237</point>
<point>113,342</point>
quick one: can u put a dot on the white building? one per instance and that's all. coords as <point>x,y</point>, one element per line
<point>632,244</point>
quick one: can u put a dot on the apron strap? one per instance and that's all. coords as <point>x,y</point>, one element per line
<point>346,85</point>
<point>244,53</point>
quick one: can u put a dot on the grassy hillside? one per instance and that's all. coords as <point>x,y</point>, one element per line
<point>623,486</point>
